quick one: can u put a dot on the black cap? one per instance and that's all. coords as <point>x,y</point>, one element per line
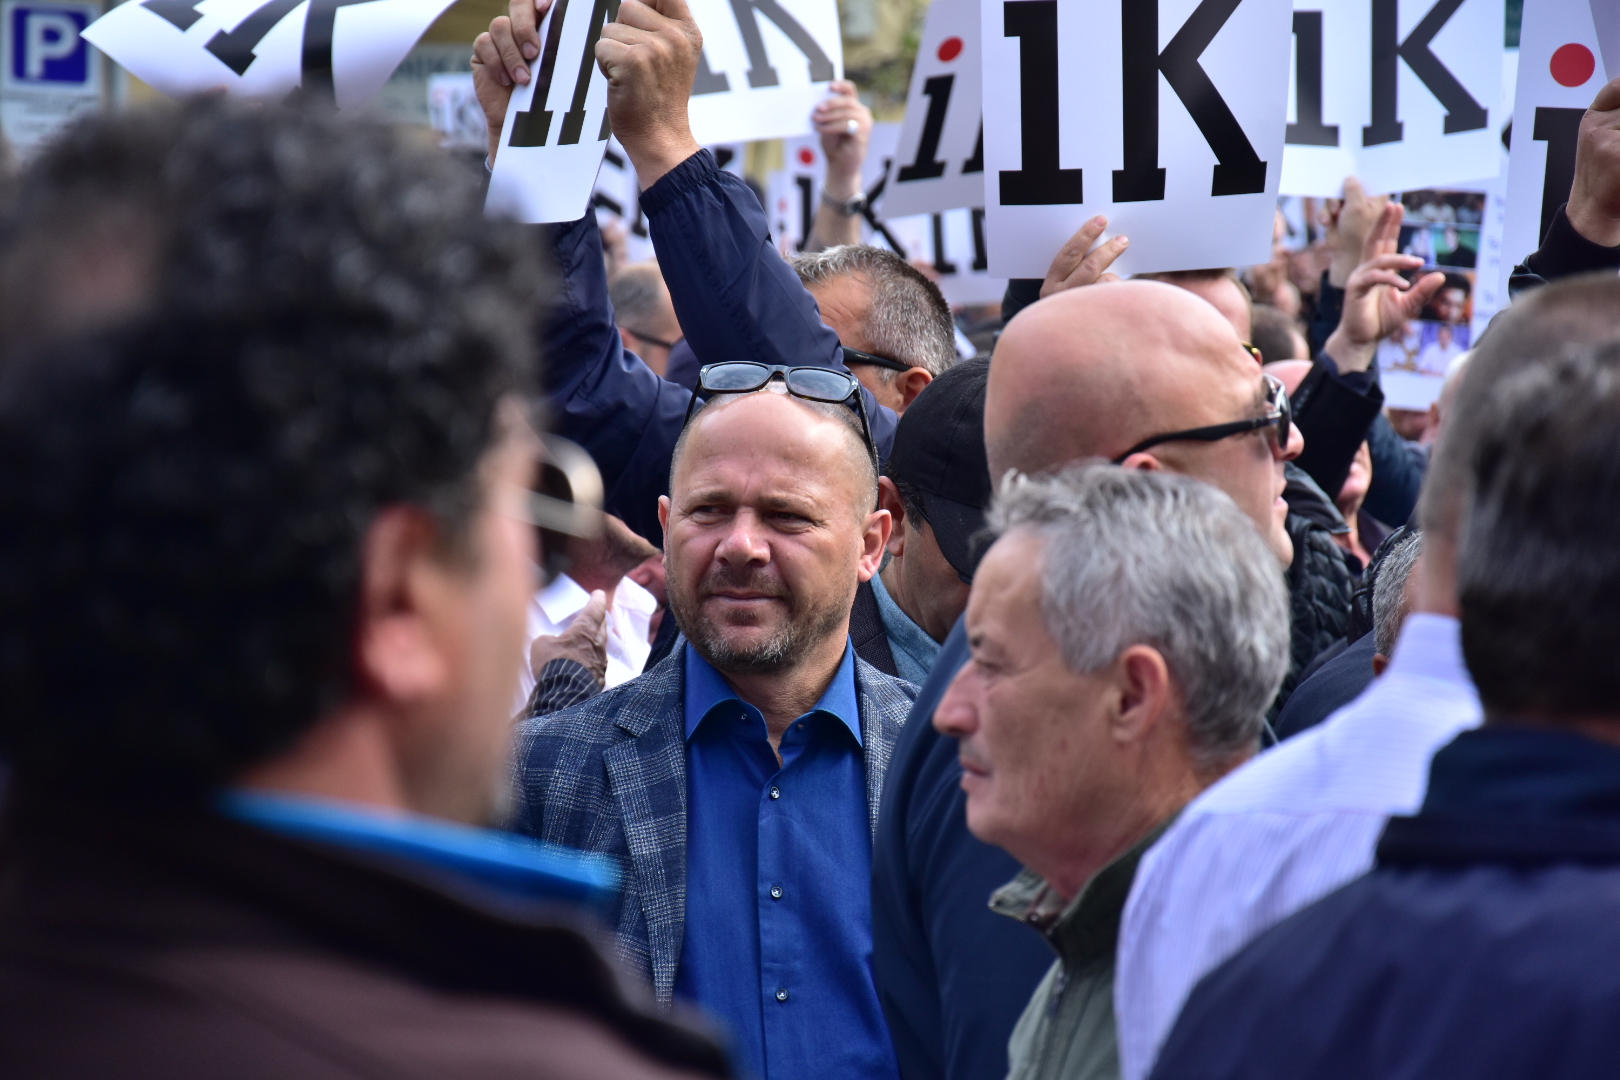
<point>939,454</point>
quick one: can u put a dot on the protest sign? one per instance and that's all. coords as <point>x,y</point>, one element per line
<point>617,196</point>
<point>455,113</point>
<point>342,49</point>
<point>556,127</point>
<point>51,75</point>
<point>794,191</point>
<point>1396,92</point>
<point>949,247</point>
<point>765,65</point>
<point>1081,128</point>
<point>1558,78</point>
<point>939,161</point>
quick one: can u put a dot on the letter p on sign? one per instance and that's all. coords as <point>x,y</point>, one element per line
<point>45,45</point>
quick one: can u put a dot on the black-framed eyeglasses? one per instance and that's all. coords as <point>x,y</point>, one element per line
<point>1278,412</point>
<point>810,383</point>
<point>649,339</point>
<point>855,356</point>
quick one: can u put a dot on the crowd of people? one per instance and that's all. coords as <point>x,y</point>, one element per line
<point>1134,700</point>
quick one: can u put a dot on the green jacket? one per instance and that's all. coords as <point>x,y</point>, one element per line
<point>1067,1030</point>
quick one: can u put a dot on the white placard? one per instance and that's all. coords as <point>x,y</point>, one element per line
<point>556,126</point>
<point>51,74</point>
<point>1400,93</point>
<point>1558,78</point>
<point>939,162</point>
<point>766,63</point>
<point>950,248</point>
<point>794,192</point>
<point>264,48</point>
<point>1089,107</point>
<point>1606,22</point>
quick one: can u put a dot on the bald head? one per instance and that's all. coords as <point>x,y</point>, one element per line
<point>1090,372</point>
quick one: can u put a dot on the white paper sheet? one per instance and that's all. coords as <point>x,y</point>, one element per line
<point>1606,22</point>
<point>950,248</point>
<point>1558,45</point>
<point>264,49</point>
<point>1335,128</point>
<point>556,127</point>
<point>939,164</point>
<point>1046,174</point>
<point>761,83</point>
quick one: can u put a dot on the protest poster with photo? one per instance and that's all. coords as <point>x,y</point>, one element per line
<point>1559,76</point>
<point>949,247</point>
<point>1165,115</point>
<point>1443,228</point>
<point>765,65</point>
<point>1399,93</point>
<point>939,162</point>
<point>343,49</point>
<point>556,127</point>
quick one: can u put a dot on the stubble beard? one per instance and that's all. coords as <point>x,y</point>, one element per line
<point>777,652</point>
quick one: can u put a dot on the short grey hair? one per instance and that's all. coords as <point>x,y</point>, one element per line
<point>1152,558</point>
<point>638,294</point>
<point>908,321</point>
<point>1389,591</point>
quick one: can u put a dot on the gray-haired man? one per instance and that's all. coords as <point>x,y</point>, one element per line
<point>894,323</point>
<point>1162,638</point>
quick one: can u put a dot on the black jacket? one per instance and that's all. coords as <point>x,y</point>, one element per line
<point>1481,945</point>
<point>180,944</point>
<point>1319,590</point>
<point>1563,253</point>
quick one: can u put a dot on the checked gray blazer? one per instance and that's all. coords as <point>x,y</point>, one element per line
<point>609,776</point>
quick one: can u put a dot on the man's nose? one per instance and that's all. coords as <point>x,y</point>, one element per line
<point>955,714</point>
<point>1295,447</point>
<point>744,541</point>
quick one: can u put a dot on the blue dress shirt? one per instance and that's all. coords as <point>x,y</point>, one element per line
<point>778,940</point>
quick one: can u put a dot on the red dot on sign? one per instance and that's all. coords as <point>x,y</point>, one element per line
<point>1572,64</point>
<point>950,49</point>
<point>807,156</point>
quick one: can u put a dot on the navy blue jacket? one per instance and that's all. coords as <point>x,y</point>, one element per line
<point>952,975</point>
<point>736,300</point>
<point>1482,945</point>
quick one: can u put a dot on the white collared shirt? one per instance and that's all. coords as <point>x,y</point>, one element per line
<point>1283,831</point>
<point>553,610</point>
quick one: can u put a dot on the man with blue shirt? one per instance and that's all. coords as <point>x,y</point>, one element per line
<point>737,782</point>
<point>265,550</point>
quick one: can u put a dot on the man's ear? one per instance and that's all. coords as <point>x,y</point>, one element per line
<point>628,339</point>
<point>908,384</point>
<point>1379,663</point>
<point>889,499</point>
<point>874,538</point>
<point>1144,461</point>
<point>663,518</point>
<point>399,653</point>
<point>1142,695</point>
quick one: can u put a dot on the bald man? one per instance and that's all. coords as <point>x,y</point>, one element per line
<point>1154,366</point>
<point>737,780</point>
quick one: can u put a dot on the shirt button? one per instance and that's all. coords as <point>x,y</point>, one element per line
<point>781,995</point>
<point>776,892</point>
<point>776,792</point>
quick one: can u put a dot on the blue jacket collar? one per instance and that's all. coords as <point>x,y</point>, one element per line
<point>707,688</point>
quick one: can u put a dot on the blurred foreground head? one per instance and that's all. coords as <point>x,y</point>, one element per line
<point>259,419</point>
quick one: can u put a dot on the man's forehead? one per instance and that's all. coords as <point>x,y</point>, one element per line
<point>764,435</point>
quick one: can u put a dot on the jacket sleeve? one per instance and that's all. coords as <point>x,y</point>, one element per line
<point>1397,474</point>
<point>1333,411</point>
<point>1563,253</point>
<point>736,300</point>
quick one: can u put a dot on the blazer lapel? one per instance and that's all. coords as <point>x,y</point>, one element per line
<point>880,730</point>
<point>648,774</point>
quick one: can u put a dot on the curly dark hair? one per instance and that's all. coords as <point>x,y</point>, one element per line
<point>310,320</point>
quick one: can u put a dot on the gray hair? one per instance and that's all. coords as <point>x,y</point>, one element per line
<point>1134,557</point>
<point>638,294</point>
<point>908,321</point>
<point>1389,591</point>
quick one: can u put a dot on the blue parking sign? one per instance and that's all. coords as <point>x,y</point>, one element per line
<point>46,49</point>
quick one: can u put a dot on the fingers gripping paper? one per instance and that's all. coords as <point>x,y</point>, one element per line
<point>556,127</point>
<point>345,49</point>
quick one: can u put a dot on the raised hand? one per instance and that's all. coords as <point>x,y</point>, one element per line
<point>500,61</point>
<point>1078,263</point>
<point>1377,299</point>
<point>1594,199</point>
<point>650,56</point>
<point>585,641</point>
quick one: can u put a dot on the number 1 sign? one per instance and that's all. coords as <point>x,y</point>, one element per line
<point>1082,128</point>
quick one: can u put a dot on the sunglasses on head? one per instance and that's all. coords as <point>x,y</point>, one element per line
<point>809,383</point>
<point>1278,412</point>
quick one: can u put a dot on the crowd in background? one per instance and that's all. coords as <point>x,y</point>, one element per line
<point>435,646</point>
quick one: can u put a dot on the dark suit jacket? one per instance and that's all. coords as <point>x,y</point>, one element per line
<point>609,776</point>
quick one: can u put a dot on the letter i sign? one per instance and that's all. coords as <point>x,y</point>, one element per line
<point>1079,126</point>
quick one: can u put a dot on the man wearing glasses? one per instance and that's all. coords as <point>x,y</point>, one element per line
<point>738,780</point>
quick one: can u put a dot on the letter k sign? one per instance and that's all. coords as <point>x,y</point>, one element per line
<point>1463,113</point>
